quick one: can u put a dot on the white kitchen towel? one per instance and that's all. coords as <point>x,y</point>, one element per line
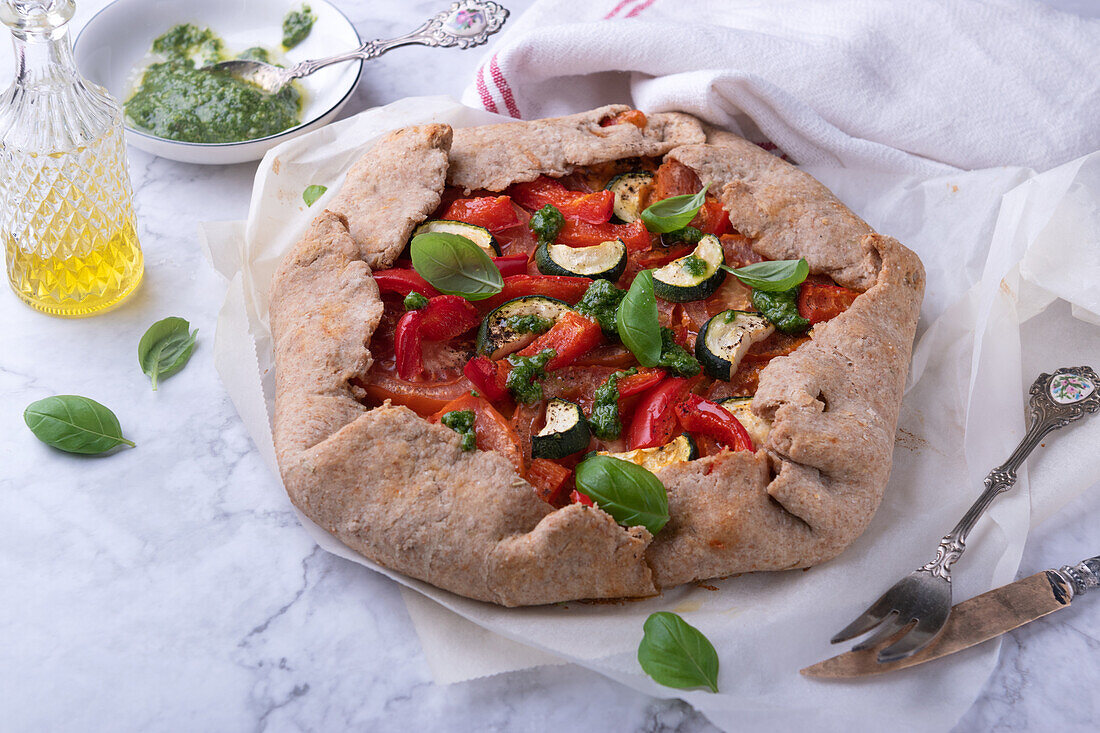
<point>918,87</point>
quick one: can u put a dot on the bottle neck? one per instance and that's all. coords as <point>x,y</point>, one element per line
<point>43,57</point>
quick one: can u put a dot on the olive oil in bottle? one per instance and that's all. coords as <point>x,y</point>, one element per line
<point>66,206</point>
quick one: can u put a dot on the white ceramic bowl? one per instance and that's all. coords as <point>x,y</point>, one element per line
<point>116,41</point>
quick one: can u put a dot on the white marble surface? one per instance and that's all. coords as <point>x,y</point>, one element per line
<point>169,587</point>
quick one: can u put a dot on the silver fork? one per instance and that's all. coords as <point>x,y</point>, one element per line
<point>467,23</point>
<point>920,603</point>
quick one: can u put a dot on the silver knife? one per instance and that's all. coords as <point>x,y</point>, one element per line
<point>979,619</point>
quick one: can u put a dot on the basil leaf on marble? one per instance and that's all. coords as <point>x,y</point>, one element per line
<point>772,276</point>
<point>636,320</point>
<point>631,494</point>
<point>312,193</point>
<point>676,654</point>
<point>455,265</point>
<point>74,424</point>
<point>673,213</point>
<point>165,348</point>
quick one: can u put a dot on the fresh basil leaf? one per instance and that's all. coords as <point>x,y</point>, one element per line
<point>74,424</point>
<point>676,212</point>
<point>676,654</point>
<point>312,193</point>
<point>165,348</point>
<point>455,265</point>
<point>772,276</point>
<point>636,320</point>
<point>625,490</point>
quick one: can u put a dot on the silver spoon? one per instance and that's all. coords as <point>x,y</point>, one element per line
<point>467,23</point>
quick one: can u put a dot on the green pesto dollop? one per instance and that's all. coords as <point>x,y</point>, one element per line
<point>676,358</point>
<point>526,371</point>
<point>694,265</point>
<point>546,223</point>
<point>605,420</point>
<point>601,303</point>
<point>781,309</point>
<point>529,323</point>
<point>180,100</point>
<point>296,26</point>
<point>687,235</point>
<point>462,422</point>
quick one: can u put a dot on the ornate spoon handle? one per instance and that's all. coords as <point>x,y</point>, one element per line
<point>1056,400</point>
<point>467,23</point>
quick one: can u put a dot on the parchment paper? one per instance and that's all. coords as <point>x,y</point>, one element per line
<point>991,259</point>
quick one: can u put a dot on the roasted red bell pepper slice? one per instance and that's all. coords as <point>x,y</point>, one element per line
<point>511,265</point>
<point>406,345</point>
<point>644,380</point>
<point>819,302</point>
<point>482,373</point>
<point>447,316</point>
<point>594,208</point>
<point>492,212</point>
<point>654,422</point>
<point>578,498</point>
<point>403,282</point>
<point>550,480</point>
<point>699,415</point>
<point>571,337</point>
<point>442,319</point>
<point>578,233</point>
<point>569,289</point>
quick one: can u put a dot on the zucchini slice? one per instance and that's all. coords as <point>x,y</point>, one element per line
<point>681,449</point>
<point>724,339</point>
<point>514,324</point>
<point>566,431</point>
<point>604,261</point>
<point>692,277</point>
<point>480,236</point>
<point>629,190</point>
<point>756,426</point>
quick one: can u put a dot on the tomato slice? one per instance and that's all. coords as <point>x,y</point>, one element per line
<point>576,384</point>
<point>571,337</point>
<point>495,213</point>
<point>550,480</point>
<point>738,250</point>
<point>423,398</point>
<point>609,355</point>
<point>712,218</point>
<point>820,301</point>
<point>776,344</point>
<point>493,430</point>
<point>675,179</point>
<point>569,289</point>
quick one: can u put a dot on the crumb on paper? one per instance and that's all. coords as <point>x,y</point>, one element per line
<point>909,440</point>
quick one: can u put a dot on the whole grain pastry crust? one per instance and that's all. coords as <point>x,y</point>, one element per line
<point>400,491</point>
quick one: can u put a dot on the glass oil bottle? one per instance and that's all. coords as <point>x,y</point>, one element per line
<point>66,206</point>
